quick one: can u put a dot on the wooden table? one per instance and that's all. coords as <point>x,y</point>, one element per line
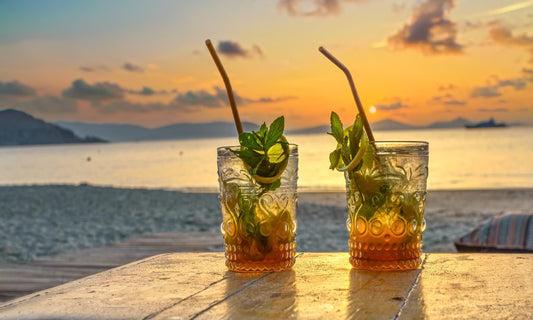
<point>320,286</point>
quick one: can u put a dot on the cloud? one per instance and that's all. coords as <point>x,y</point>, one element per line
<point>449,99</point>
<point>430,30</point>
<point>47,104</point>
<point>94,68</point>
<point>147,91</point>
<point>454,102</point>
<point>16,89</point>
<point>493,110</point>
<point>399,7</point>
<point>198,98</point>
<point>491,91</point>
<point>109,98</point>
<point>518,83</point>
<point>234,49</point>
<point>317,8</point>
<point>99,91</point>
<point>447,87</point>
<point>314,8</point>
<point>485,92</point>
<point>218,99</point>
<point>222,95</point>
<point>527,71</point>
<point>503,35</point>
<point>132,67</point>
<point>391,106</point>
<point>469,25</point>
<point>509,8</point>
<point>185,101</point>
<point>131,107</point>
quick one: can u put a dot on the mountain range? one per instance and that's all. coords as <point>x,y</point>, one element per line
<point>127,132</point>
<point>19,128</point>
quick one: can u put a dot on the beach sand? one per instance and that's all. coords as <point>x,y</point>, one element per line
<point>37,221</point>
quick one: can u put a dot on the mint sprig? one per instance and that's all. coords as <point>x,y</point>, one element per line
<point>349,143</point>
<point>265,152</point>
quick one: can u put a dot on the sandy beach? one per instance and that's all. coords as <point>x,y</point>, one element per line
<point>46,220</point>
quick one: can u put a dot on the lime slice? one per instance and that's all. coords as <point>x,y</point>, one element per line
<point>358,157</point>
<point>355,161</point>
<point>278,157</point>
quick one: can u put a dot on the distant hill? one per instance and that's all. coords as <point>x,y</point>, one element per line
<point>455,123</point>
<point>312,130</point>
<point>388,124</point>
<point>127,132</point>
<point>19,128</point>
<point>111,132</point>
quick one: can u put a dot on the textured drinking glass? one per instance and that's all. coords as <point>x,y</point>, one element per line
<point>386,207</point>
<point>259,226</point>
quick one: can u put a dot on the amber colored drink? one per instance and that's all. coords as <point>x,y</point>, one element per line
<point>259,227</point>
<point>386,208</point>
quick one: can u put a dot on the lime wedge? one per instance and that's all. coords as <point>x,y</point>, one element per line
<point>354,162</point>
<point>270,171</point>
<point>341,166</point>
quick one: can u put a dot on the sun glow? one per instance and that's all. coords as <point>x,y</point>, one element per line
<point>372,109</point>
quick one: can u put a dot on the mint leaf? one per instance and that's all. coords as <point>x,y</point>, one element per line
<point>345,152</point>
<point>251,158</point>
<point>265,153</point>
<point>334,158</point>
<point>337,130</point>
<point>275,132</point>
<point>369,156</point>
<point>263,130</point>
<point>355,135</point>
<point>250,141</point>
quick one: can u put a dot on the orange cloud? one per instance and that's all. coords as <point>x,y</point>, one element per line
<point>234,49</point>
<point>319,8</point>
<point>503,35</point>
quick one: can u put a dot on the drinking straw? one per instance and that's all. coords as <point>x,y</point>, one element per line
<point>354,91</point>
<point>227,84</point>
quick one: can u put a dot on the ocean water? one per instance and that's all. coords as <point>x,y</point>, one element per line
<point>458,159</point>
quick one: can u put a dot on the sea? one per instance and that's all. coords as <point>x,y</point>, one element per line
<point>458,159</point>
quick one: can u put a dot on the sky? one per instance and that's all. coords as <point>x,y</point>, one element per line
<point>146,63</point>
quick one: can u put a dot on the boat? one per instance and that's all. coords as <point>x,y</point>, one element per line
<point>486,124</point>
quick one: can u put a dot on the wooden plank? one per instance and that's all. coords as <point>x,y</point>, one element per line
<point>320,286</point>
<point>473,286</point>
<point>19,280</point>
<point>134,291</point>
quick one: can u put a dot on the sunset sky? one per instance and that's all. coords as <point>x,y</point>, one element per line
<point>146,63</point>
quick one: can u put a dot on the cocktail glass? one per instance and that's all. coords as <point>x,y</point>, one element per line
<point>386,207</point>
<point>259,225</point>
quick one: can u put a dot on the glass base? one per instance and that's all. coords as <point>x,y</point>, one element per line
<point>383,265</point>
<point>280,259</point>
<point>388,257</point>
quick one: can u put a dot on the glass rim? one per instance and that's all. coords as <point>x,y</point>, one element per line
<point>224,151</point>
<point>238,146</point>
<point>406,142</point>
<point>405,148</point>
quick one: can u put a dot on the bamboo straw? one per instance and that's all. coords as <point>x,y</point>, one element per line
<point>354,91</point>
<point>227,84</point>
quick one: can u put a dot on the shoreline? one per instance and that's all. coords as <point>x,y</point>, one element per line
<point>215,190</point>
<point>47,220</point>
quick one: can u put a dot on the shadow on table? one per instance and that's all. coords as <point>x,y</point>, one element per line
<point>258,294</point>
<point>390,288</point>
